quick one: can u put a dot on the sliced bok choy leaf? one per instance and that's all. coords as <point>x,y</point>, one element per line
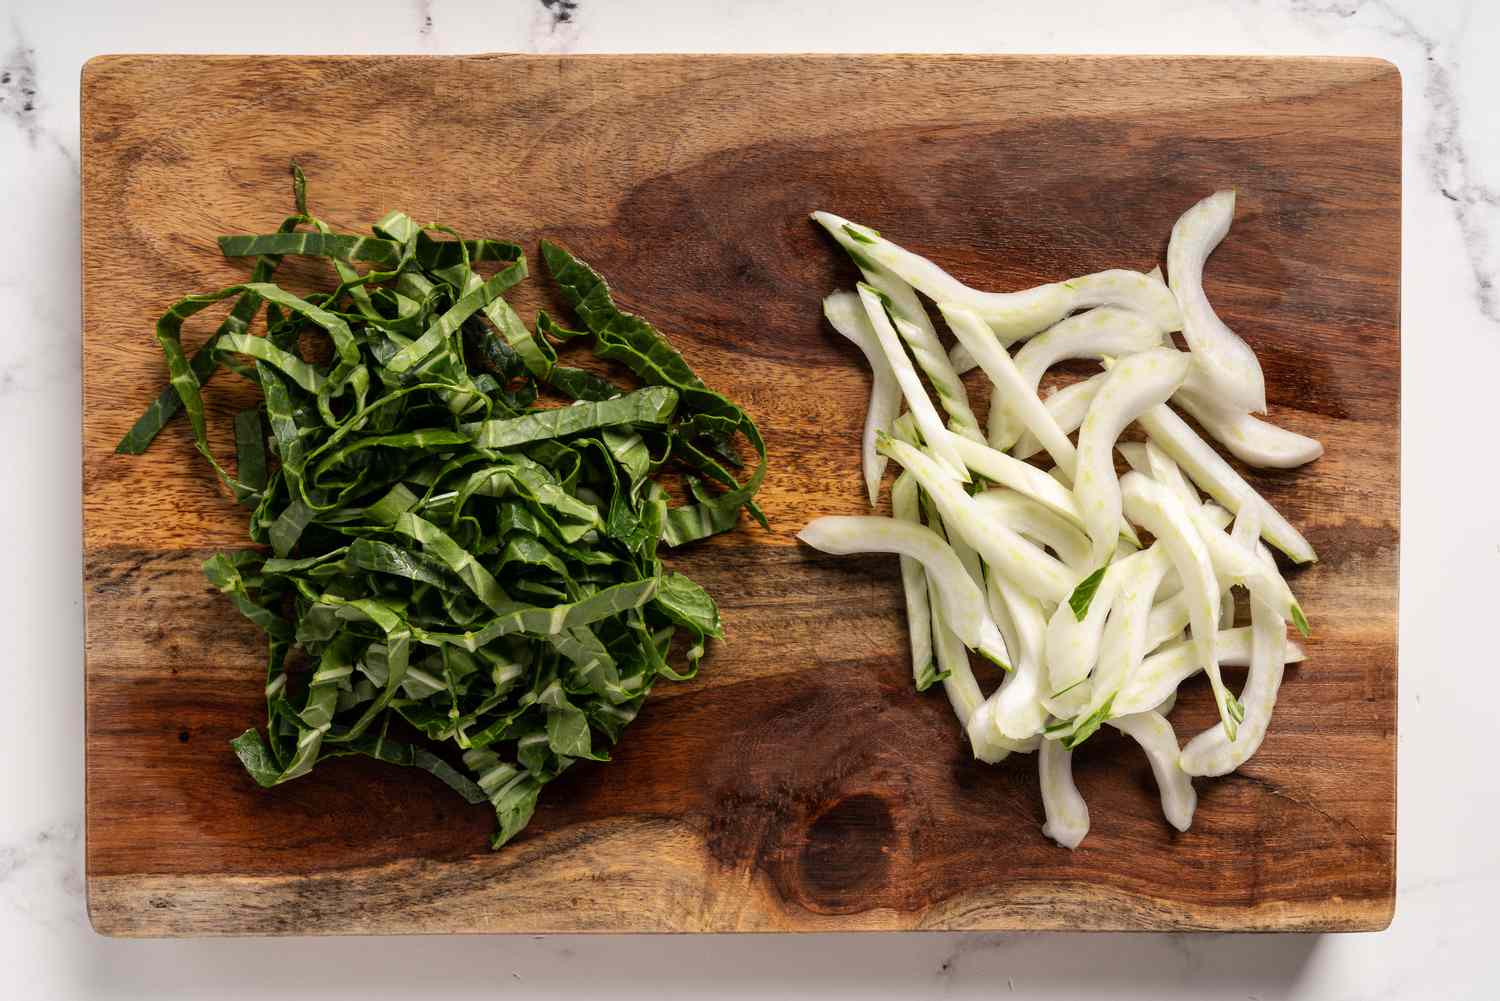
<point>846,314</point>
<point>1156,737</point>
<point>1017,703</point>
<point>1251,440</point>
<point>1161,673</point>
<point>1067,815</point>
<point>1037,522</point>
<point>1226,362</point>
<point>905,507</point>
<point>1068,407</point>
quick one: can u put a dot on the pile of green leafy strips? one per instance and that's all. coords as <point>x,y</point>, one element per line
<point>442,548</point>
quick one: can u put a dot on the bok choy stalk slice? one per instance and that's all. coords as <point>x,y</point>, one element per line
<point>928,422</point>
<point>1164,671</point>
<point>906,506</point>
<point>1156,509</point>
<point>456,560</point>
<point>1156,737</point>
<point>1014,316</point>
<point>913,322</point>
<point>1010,385</point>
<point>1038,523</point>
<point>1230,368</point>
<point>1134,385</point>
<point>846,314</point>
<point>1016,705</point>
<point>1068,407</point>
<point>1021,562</point>
<point>1067,815</point>
<point>1106,332</point>
<point>1251,440</point>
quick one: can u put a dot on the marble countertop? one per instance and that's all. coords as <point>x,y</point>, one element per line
<point>1449,865</point>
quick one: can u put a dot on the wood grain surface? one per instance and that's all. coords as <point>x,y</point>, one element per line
<point>799,783</point>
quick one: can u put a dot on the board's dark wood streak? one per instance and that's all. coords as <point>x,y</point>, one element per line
<point>799,783</point>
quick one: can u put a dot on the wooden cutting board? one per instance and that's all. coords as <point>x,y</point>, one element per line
<point>799,783</point>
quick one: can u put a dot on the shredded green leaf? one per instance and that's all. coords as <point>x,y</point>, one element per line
<point>1083,594</point>
<point>471,574</point>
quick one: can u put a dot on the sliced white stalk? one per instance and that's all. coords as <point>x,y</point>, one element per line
<point>1106,332</point>
<point>1068,407</point>
<point>1016,315</point>
<point>928,421</point>
<point>1161,673</point>
<point>906,507</point>
<point>1251,440</point>
<point>1211,753</point>
<point>991,641</point>
<point>1037,522</point>
<point>1167,705</point>
<point>1157,509</point>
<point>988,743</point>
<point>907,308</point>
<point>846,314</point>
<point>1134,385</point>
<point>1024,564</point>
<point>1238,564</point>
<point>1169,616</point>
<point>962,362</point>
<point>1067,814</point>
<point>959,684</point>
<point>1228,365</point>
<point>1017,703</point>
<point>847,535</point>
<point>1124,640</point>
<point>1072,647</point>
<point>997,467</point>
<point>1009,384</point>
<point>1219,480</point>
<point>1068,704</point>
<point>1169,474</point>
<point>1156,737</point>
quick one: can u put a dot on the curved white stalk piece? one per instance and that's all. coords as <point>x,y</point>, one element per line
<point>1067,814</point>
<point>1251,440</point>
<point>1167,705</point>
<point>1161,673</point>
<point>1017,703</point>
<point>922,410</point>
<point>1234,563</point>
<point>997,467</point>
<point>1219,480</point>
<point>905,507</point>
<point>1135,384</point>
<point>1068,704</point>
<point>1009,384</point>
<point>1039,523</point>
<point>1156,509</point>
<point>1156,737</point>
<point>1024,564</point>
<point>846,535</point>
<point>906,307</point>
<point>1017,315</point>
<point>1169,474</point>
<point>1124,641</point>
<point>988,743</point>
<point>1068,407</point>
<point>1072,647</point>
<point>1106,332</point>
<point>959,684</point>
<point>846,314</point>
<point>991,641</point>
<point>1211,752</point>
<point>962,362</point>
<point>1228,365</point>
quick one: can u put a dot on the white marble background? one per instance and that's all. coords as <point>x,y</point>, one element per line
<point>1449,862</point>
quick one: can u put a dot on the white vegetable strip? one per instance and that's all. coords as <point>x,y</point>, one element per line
<point>1219,480</point>
<point>988,743</point>
<point>1168,474</point>
<point>1009,384</point>
<point>1251,440</point>
<point>1135,384</point>
<point>1161,673</point>
<point>1211,752</point>
<point>1016,315</point>
<point>991,642</point>
<point>1017,703</point>
<point>1068,407</point>
<point>846,535</point>
<point>923,337</point>
<point>1067,814</point>
<point>1227,363</point>
<point>1022,563</point>
<point>1072,647</point>
<point>1037,522</point>
<point>1157,739</point>
<point>1156,509</point>
<point>1124,641</point>
<point>922,410</point>
<point>846,314</point>
<point>997,467</point>
<point>1235,564</point>
<point>905,507</point>
<point>1098,333</point>
<point>953,660</point>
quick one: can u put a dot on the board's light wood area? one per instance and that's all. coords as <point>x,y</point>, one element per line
<point>799,784</point>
